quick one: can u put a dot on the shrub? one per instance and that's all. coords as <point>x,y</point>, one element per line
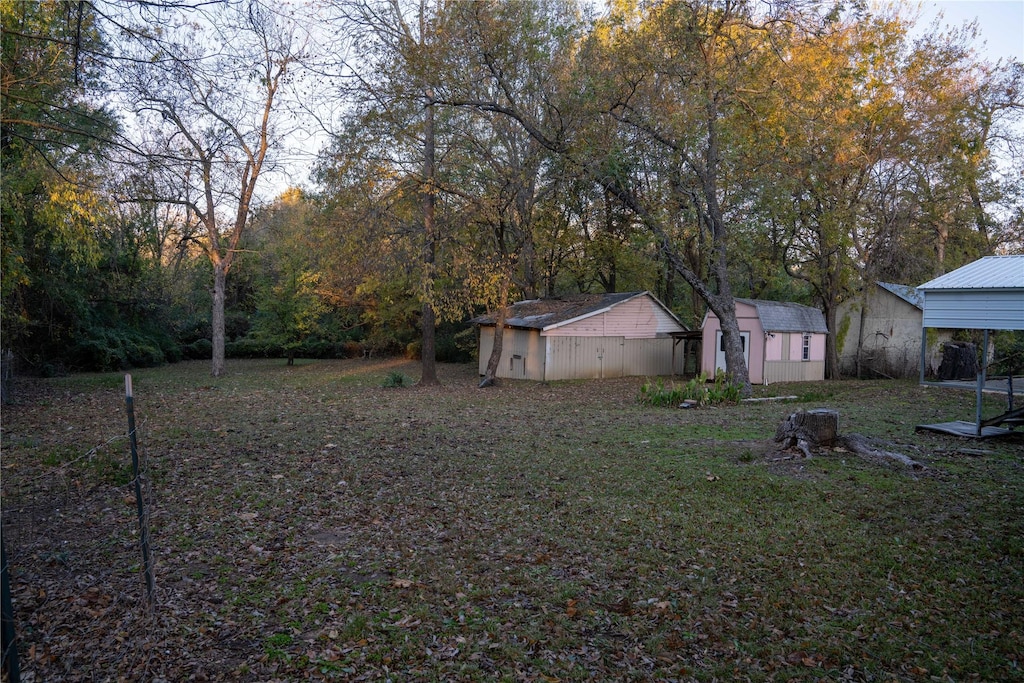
<point>200,349</point>
<point>396,380</point>
<point>722,390</point>
<point>351,349</point>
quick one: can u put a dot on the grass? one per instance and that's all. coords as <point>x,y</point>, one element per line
<point>310,523</point>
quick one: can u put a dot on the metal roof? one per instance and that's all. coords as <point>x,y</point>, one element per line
<point>540,314</point>
<point>905,292</point>
<point>989,272</point>
<point>784,316</point>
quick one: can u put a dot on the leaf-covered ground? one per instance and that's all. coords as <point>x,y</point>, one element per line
<point>308,523</point>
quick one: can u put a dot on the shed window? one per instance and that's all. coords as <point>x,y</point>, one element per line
<point>805,352</point>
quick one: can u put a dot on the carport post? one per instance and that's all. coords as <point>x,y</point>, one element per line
<point>981,379</point>
<point>924,349</point>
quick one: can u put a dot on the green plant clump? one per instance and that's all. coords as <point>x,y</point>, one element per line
<point>396,380</point>
<point>697,390</point>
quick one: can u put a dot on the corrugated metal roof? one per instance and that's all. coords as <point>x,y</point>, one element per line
<point>905,292</point>
<point>785,316</point>
<point>989,272</point>
<point>540,314</point>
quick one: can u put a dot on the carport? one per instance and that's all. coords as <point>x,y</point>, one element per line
<point>986,295</point>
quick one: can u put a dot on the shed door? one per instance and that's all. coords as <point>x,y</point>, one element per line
<point>720,350</point>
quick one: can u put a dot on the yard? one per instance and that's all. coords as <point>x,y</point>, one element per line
<point>309,523</point>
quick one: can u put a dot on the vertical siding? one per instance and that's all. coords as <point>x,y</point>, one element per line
<point>793,371</point>
<point>485,347</point>
<point>650,357</point>
<point>584,357</point>
<point>746,316</point>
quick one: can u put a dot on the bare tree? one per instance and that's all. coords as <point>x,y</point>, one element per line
<point>209,82</point>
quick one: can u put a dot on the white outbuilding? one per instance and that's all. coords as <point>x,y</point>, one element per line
<point>987,294</point>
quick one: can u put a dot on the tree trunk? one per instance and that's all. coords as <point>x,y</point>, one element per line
<point>491,373</point>
<point>860,335</point>
<point>959,361</point>
<point>6,375</point>
<point>428,351</point>
<point>831,350</point>
<point>217,318</point>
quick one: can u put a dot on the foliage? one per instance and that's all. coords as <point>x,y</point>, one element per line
<point>1009,353</point>
<point>695,148</point>
<point>697,390</point>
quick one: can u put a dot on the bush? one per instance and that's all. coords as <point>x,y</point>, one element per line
<point>1009,353</point>
<point>200,349</point>
<point>351,349</point>
<point>115,349</point>
<point>396,380</point>
<point>248,347</point>
<point>456,346</point>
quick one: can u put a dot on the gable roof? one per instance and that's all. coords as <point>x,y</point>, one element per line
<point>785,316</point>
<point>542,314</point>
<point>905,292</point>
<point>988,272</point>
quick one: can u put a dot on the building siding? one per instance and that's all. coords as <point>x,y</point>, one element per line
<point>650,357</point>
<point>892,336</point>
<point>774,356</point>
<point>628,338</point>
<point>584,357</point>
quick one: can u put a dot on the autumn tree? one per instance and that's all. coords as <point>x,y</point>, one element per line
<point>392,86</point>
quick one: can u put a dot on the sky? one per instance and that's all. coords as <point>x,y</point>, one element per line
<point>1000,23</point>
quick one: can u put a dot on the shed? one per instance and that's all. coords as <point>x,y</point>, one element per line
<point>987,294</point>
<point>584,336</point>
<point>880,332</point>
<point>782,341</point>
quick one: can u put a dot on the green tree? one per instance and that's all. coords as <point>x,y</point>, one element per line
<point>54,136</point>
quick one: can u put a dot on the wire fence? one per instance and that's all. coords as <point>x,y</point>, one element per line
<point>71,527</point>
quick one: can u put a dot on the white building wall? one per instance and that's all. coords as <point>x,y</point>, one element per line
<point>974,309</point>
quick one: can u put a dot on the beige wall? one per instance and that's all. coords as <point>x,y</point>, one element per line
<point>638,318</point>
<point>891,340</point>
<point>793,371</point>
<point>522,353</point>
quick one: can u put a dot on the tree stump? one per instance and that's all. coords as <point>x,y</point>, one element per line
<point>809,429</point>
